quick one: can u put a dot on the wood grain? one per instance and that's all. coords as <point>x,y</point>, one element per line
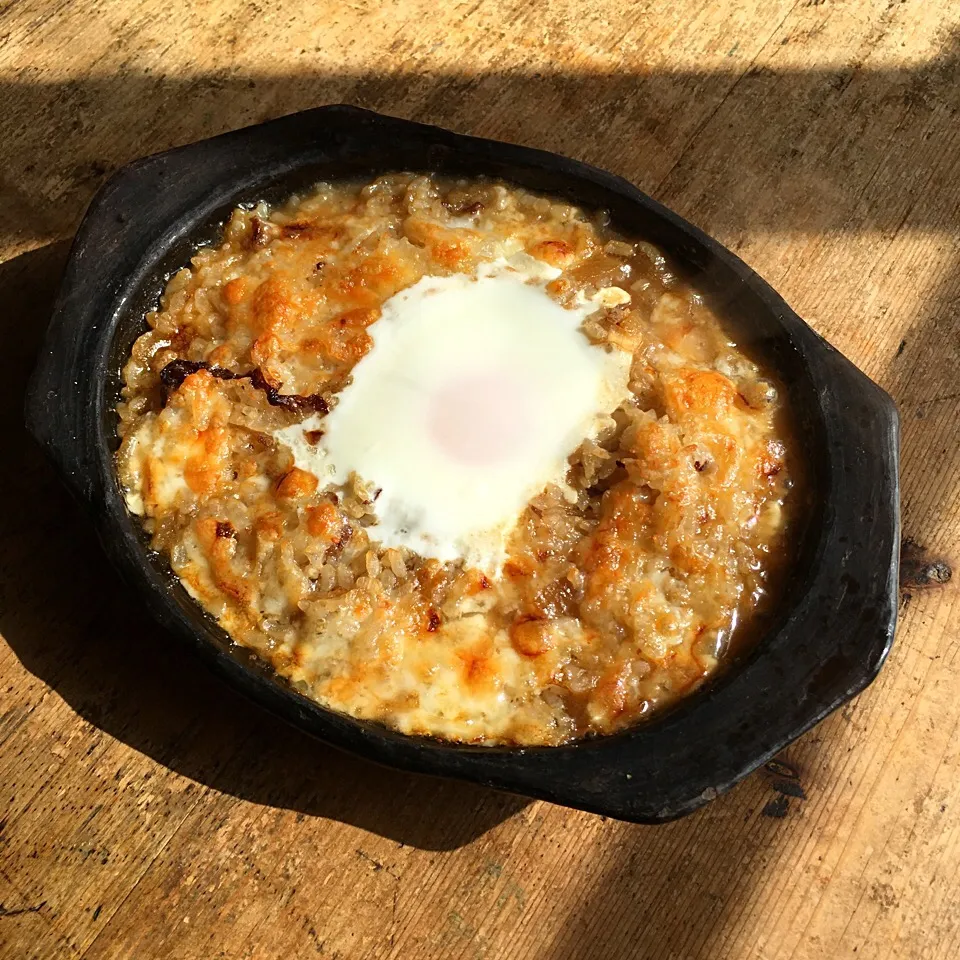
<point>147,812</point>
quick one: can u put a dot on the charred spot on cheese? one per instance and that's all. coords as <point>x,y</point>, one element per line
<point>225,529</point>
<point>258,236</point>
<point>316,480</point>
<point>294,402</point>
<point>296,228</point>
<point>176,371</point>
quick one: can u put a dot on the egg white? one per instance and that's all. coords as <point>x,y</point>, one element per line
<point>491,355</point>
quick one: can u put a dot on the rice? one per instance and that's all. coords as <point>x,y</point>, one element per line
<point>614,601</point>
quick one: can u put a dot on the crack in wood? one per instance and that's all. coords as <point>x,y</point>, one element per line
<point>6,911</point>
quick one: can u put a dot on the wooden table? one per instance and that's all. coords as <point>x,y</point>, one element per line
<point>148,812</point>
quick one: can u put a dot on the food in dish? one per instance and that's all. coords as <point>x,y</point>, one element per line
<point>458,458</point>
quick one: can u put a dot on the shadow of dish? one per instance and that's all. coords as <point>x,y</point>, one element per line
<point>70,621</point>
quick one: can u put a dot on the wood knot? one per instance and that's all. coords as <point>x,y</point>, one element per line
<point>919,569</point>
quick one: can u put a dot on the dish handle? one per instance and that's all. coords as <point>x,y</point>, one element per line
<point>53,414</point>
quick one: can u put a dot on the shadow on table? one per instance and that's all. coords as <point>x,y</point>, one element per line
<point>68,618</point>
<point>66,615</point>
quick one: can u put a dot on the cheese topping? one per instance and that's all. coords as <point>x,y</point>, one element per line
<point>458,458</point>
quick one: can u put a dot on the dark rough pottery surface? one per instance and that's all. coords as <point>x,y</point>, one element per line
<point>833,628</point>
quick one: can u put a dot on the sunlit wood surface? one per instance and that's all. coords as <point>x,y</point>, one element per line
<point>148,813</point>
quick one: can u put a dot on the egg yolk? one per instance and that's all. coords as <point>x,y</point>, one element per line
<point>482,418</point>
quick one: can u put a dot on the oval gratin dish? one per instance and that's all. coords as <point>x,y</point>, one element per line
<point>832,628</point>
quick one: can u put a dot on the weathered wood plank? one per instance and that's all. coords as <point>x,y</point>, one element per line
<point>149,813</point>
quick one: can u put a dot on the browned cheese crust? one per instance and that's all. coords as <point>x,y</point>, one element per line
<point>608,608</point>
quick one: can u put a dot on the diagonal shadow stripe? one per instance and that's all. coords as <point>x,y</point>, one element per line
<point>832,132</point>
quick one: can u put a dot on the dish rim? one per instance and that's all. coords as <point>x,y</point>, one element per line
<point>825,649</point>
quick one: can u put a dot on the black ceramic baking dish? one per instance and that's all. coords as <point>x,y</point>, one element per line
<point>836,621</point>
